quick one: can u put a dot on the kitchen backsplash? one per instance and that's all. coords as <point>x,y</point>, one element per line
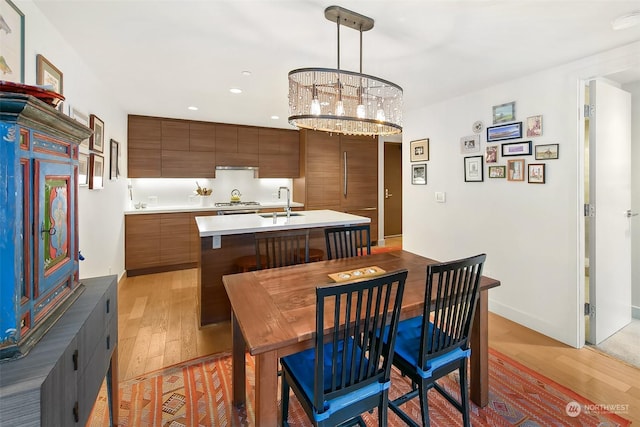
<point>180,191</point>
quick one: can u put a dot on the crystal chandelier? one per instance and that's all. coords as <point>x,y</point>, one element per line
<point>346,102</point>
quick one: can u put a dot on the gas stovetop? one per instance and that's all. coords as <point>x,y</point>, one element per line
<point>220,204</point>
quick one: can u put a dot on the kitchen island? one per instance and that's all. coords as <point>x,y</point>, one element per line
<point>224,239</point>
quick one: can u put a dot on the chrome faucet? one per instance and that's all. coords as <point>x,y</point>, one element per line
<point>288,208</point>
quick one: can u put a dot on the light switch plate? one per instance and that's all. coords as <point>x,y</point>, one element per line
<point>441,196</point>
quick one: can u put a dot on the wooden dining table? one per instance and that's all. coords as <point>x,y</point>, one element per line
<point>273,315</point>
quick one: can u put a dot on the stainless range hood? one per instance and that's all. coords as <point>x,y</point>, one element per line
<point>239,168</point>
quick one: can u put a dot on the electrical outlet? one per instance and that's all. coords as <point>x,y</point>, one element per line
<point>217,242</point>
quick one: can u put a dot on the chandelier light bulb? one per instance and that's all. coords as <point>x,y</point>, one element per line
<point>380,115</point>
<point>339,108</point>
<point>360,111</point>
<point>315,107</point>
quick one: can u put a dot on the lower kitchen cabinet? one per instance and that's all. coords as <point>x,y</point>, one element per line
<point>57,382</point>
<point>161,242</point>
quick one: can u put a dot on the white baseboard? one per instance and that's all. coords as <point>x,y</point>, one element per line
<point>538,324</point>
<point>635,312</point>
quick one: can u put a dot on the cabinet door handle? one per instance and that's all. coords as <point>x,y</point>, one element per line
<point>76,412</point>
<point>345,174</point>
<point>50,231</point>
<point>108,342</point>
<point>108,304</point>
<point>75,360</point>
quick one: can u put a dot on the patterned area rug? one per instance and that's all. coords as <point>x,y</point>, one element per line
<point>198,393</point>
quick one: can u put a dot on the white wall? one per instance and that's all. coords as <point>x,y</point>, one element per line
<point>531,233</point>
<point>634,88</point>
<point>101,221</point>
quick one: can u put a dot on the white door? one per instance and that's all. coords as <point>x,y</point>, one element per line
<point>610,195</point>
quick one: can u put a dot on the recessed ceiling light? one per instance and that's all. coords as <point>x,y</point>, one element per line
<point>192,108</point>
<point>235,90</point>
<point>246,73</point>
<point>627,20</point>
<point>275,117</point>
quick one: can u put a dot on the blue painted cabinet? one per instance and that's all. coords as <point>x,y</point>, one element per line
<point>39,221</point>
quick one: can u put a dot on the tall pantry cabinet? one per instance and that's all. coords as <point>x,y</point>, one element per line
<point>339,172</point>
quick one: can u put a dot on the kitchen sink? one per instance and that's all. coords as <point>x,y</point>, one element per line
<point>279,214</point>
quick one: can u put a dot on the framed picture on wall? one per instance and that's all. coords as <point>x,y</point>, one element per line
<point>83,169</point>
<point>497,171</point>
<point>547,151</point>
<point>420,150</point>
<point>473,169</point>
<point>536,173</point>
<point>534,126</point>
<point>96,140</point>
<point>491,154</point>
<point>12,38</point>
<point>470,144</point>
<point>516,149</point>
<point>502,132</point>
<point>504,113</point>
<point>515,170</point>
<point>113,160</point>
<point>47,74</point>
<point>419,174</point>
<point>96,171</point>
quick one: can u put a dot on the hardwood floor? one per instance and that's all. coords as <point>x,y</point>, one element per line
<point>158,328</point>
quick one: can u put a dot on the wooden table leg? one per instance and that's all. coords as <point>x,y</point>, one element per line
<point>239,369</point>
<point>479,375</point>
<point>267,389</point>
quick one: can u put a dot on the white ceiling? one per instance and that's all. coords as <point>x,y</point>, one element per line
<point>159,57</point>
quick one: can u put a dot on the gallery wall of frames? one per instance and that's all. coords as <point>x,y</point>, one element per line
<point>509,150</point>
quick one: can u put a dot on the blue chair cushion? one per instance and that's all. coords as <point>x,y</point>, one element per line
<point>407,347</point>
<point>301,366</point>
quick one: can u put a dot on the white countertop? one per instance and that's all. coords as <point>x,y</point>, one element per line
<point>198,208</point>
<point>223,225</point>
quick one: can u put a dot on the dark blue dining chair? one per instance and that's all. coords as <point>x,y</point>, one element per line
<point>433,345</point>
<point>348,371</point>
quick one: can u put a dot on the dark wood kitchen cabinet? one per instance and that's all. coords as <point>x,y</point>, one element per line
<point>173,148</point>
<point>236,145</point>
<point>161,242</point>
<point>170,148</point>
<point>279,153</point>
<point>339,172</point>
<point>144,147</point>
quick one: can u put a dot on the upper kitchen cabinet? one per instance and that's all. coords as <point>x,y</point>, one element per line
<point>144,147</point>
<point>167,148</point>
<point>279,153</point>
<point>236,145</point>
<point>175,135</point>
<point>202,137</point>
<point>174,148</point>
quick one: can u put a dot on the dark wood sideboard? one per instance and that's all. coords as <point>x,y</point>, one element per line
<point>57,382</point>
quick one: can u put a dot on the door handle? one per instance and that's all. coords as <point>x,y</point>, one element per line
<point>386,193</point>
<point>629,213</point>
<point>344,192</point>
